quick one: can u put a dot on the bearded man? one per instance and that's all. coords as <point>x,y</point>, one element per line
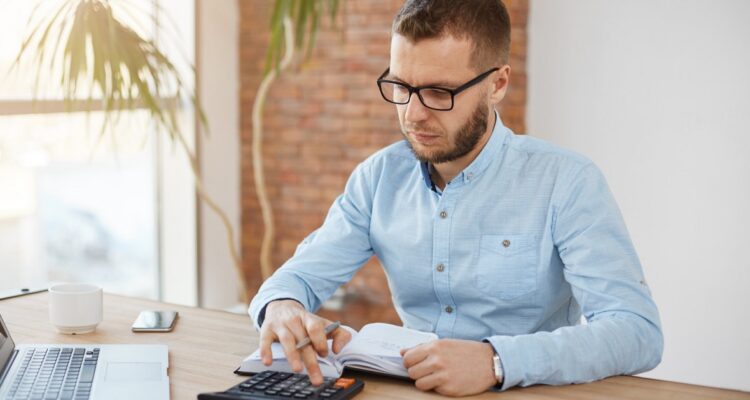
<point>497,243</point>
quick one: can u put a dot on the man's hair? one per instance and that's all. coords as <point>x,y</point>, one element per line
<point>485,22</point>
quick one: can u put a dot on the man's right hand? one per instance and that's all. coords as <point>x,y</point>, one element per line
<point>287,322</point>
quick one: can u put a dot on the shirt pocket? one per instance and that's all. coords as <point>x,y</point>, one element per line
<point>506,266</point>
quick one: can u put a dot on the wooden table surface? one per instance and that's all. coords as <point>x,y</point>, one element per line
<point>206,346</point>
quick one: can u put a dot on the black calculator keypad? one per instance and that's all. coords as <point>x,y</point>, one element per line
<point>285,385</point>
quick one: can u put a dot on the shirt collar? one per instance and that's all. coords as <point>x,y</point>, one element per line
<point>485,157</point>
<point>425,169</point>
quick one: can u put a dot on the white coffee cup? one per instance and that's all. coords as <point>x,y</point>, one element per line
<point>75,308</point>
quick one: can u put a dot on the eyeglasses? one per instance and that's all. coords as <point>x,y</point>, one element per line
<point>433,97</point>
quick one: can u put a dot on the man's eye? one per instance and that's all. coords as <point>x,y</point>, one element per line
<point>400,89</point>
<point>436,94</point>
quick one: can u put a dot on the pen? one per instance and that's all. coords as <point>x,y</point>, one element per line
<point>330,328</point>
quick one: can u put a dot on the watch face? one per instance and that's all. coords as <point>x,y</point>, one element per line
<point>498,367</point>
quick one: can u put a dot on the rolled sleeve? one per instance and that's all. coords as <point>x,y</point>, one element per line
<point>328,257</point>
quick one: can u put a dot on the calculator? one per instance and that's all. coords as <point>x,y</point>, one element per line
<point>268,385</point>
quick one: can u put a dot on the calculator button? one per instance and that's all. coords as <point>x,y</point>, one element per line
<point>344,383</point>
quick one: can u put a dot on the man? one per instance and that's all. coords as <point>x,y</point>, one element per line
<point>498,243</point>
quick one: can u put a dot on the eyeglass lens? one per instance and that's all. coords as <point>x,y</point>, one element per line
<point>431,97</point>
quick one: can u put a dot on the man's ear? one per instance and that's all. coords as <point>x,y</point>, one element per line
<point>499,86</point>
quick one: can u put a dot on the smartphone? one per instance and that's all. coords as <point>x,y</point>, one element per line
<point>155,321</point>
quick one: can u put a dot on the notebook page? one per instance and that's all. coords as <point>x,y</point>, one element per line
<point>253,363</point>
<point>385,340</point>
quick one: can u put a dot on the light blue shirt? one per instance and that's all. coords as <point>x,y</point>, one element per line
<point>515,249</point>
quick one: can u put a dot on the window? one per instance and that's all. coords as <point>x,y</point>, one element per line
<point>74,205</point>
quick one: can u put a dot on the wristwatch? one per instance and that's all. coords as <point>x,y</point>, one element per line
<point>498,368</point>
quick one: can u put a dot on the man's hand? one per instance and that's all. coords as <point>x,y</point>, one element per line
<point>451,367</point>
<point>287,322</point>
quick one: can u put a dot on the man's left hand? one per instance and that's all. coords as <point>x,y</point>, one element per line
<point>451,367</point>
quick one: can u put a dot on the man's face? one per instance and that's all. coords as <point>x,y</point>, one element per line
<point>439,136</point>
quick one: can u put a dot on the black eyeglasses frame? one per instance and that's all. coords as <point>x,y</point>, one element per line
<point>417,89</point>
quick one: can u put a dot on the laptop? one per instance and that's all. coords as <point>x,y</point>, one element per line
<point>82,371</point>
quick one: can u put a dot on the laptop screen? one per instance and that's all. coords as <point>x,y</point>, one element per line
<point>6,345</point>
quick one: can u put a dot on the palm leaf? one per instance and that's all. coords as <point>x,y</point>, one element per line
<point>117,67</point>
<point>306,16</point>
<point>276,44</point>
<point>121,70</point>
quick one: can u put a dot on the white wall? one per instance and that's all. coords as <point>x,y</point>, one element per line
<point>657,93</point>
<point>219,82</point>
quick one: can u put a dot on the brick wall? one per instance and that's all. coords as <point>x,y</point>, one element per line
<point>321,120</point>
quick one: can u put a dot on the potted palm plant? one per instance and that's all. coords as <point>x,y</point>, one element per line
<point>108,64</point>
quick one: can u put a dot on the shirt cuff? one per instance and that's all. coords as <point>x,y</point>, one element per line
<point>510,360</point>
<point>498,385</point>
<point>266,296</point>
<point>262,313</point>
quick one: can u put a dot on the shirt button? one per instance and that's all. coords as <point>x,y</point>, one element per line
<point>440,268</point>
<point>443,214</point>
<point>448,309</point>
<point>506,243</point>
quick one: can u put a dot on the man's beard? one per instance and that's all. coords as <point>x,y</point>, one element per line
<point>465,140</point>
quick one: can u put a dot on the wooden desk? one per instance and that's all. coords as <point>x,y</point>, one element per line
<point>206,346</point>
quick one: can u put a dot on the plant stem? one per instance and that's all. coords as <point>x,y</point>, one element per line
<point>266,267</point>
<point>206,198</point>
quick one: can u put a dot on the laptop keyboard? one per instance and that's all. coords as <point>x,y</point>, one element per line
<point>55,373</point>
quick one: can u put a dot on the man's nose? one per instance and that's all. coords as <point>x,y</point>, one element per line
<point>415,110</point>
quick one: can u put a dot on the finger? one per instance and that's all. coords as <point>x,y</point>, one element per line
<point>267,338</point>
<point>310,358</point>
<point>415,355</point>
<point>289,344</point>
<point>404,350</point>
<point>307,353</point>
<point>340,338</point>
<point>429,382</point>
<point>316,330</point>
<point>421,369</point>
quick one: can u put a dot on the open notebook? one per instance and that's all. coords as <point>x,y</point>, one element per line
<point>376,348</point>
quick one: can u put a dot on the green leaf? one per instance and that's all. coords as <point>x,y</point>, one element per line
<point>29,38</point>
<point>313,32</point>
<point>96,57</point>
<point>301,21</point>
<point>276,42</point>
<point>304,14</point>
<point>334,9</point>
